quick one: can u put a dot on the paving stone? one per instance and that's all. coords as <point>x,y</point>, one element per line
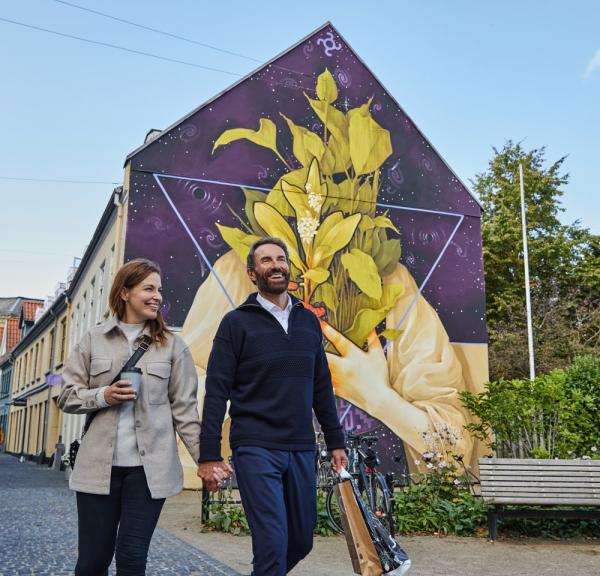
<point>38,529</point>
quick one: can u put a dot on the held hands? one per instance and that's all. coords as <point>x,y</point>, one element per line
<point>119,392</point>
<point>213,474</point>
<point>359,377</point>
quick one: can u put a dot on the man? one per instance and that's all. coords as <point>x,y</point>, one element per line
<point>268,361</point>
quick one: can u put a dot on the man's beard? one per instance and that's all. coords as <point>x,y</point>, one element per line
<point>263,284</point>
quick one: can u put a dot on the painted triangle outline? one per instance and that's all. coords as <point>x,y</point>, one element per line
<point>157,177</point>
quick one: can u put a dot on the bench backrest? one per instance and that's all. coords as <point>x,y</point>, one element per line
<point>549,482</point>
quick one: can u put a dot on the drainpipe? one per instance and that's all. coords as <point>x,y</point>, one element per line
<point>49,397</point>
<point>118,200</point>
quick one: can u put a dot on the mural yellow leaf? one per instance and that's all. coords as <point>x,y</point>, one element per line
<point>239,241</point>
<point>335,239</point>
<point>367,319</point>
<point>387,256</point>
<point>391,334</point>
<point>298,200</point>
<point>307,145</point>
<point>363,272</point>
<point>253,196</point>
<point>317,275</point>
<point>274,224</point>
<point>315,185</point>
<point>335,121</point>
<point>266,136</point>
<point>340,196</point>
<point>384,222</point>
<point>327,294</point>
<point>326,87</point>
<point>326,226</point>
<point>276,198</point>
<point>368,223</point>
<point>370,144</point>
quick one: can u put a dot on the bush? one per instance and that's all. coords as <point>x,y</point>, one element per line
<point>229,518</point>
<point>553,416</point>
<point>421,508</point>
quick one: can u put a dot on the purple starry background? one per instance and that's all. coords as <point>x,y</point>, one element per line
<point>414,176</point>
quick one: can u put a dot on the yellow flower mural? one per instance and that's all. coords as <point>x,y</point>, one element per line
<point>340,248</point>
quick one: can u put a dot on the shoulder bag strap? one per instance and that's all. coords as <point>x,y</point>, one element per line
<point>144,344</point>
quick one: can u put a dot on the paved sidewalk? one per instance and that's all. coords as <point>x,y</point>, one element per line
<point>38,529</point>
<point>38,535</point>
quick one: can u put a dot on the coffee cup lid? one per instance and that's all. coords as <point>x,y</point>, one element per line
<point>134,369</point>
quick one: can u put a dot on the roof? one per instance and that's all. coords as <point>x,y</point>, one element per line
<point>29,308</point>
<point>325,27</point>
<point>49,316</point>
<point>13,333</point>
<point>10,306</point>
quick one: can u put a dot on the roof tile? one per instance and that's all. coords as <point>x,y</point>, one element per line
<point>29,308</point>
<point>13,334</point>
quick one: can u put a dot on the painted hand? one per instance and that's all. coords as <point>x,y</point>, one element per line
<point>359,377</point>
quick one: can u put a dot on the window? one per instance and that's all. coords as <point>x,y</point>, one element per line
<point>72,331</point>
<point>90,311</point>
<point>49,367</point>
<point>63,341</point>
<point>40,359</point>
<point>78,323</point>
<point>84,314</point>
<point>100,300</point>
<point>25,370</point>
<point>111,264</point>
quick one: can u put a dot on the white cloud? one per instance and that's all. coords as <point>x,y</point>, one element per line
<point>593,65</point>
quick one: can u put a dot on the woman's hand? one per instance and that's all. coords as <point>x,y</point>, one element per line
<point>119,392</point>
<point>359,377</point>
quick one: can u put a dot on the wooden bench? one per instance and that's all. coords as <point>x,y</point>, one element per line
<point>548,483</point>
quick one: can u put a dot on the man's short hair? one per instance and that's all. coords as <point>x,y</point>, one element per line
<point>268,240</point>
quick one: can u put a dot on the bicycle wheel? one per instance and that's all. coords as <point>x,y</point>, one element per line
<point>333,511</point>
<point>381,501</point>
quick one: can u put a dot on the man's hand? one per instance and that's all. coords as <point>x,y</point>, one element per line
<point>119,392</point>
<point>339,460</point>
<point>213,474</point>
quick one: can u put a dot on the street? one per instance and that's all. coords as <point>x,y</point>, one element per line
<point>38,523</point>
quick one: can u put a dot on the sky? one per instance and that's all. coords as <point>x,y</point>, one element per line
<point>470,74</point>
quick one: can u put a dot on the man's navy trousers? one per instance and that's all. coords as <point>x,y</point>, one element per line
<point>278,491</point>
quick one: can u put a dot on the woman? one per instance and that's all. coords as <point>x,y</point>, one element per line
<point>127,463</point>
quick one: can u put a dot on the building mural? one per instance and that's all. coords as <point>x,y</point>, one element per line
<point>384,240</point>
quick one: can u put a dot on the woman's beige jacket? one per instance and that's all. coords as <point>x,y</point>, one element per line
<point>167,403</point>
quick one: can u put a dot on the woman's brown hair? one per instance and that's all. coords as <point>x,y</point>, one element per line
<point>128,276</point>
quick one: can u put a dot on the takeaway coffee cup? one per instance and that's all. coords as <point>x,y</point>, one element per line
<point>134,376</point>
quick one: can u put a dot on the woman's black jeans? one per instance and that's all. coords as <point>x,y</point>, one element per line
<point>123,521</point>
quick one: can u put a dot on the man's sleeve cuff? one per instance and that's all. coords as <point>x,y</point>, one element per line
<point>335,439</point>
<point>210,450</point>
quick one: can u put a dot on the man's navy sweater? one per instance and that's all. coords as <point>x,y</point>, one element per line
<point>274,381</point>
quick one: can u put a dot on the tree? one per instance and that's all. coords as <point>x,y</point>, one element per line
<point>564,266</point>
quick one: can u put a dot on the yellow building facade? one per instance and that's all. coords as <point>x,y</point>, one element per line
<point>34,417</point>
<point>90,286</point>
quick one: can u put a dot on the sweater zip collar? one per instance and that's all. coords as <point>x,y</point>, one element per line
<point>252,303</point>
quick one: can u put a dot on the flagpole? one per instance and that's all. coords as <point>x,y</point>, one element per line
<point>526,264</point>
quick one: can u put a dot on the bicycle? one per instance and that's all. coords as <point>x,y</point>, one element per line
<point>372,484</point>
